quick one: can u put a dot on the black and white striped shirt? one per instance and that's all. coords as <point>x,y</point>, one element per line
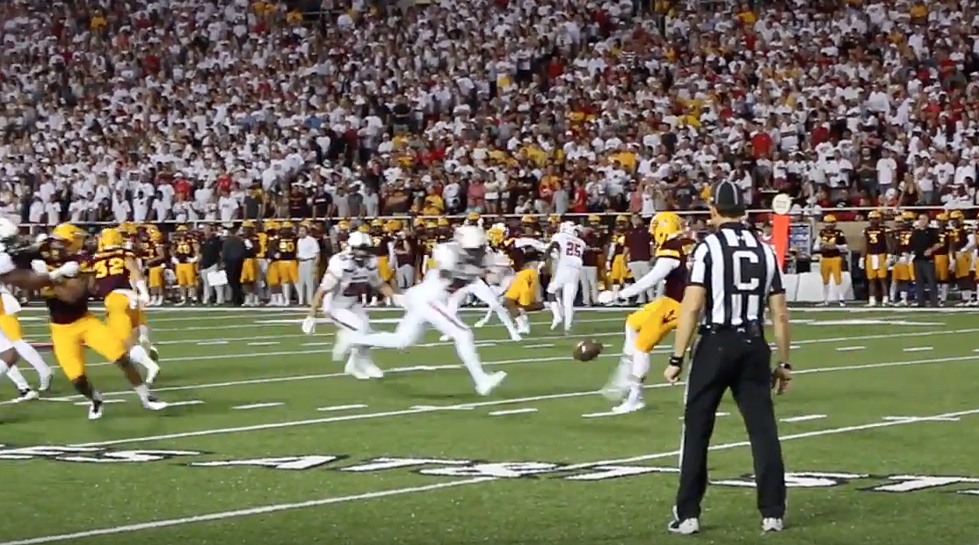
<point>739,273</point>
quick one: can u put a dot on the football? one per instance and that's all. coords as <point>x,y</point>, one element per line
<point>587,350</point>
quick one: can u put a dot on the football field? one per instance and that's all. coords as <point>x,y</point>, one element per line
<point>269,443</point>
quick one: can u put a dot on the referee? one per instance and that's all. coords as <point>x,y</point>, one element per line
<point>732,276</point>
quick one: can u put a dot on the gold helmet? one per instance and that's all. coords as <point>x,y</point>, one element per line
<point>594,218</point>
<point>249,224</point>
<point>942,216</point>
<point>874,215</point>
<point>554,219</point>
<point>72,235</point>
<point>287,225</point>
<point>110,239</point>
<point>181,228</point>
<point>443,222</point>
<point>378,223</point>
<point>667,225</point>
<point>419,223</point>
<point>392,226</point>
<point>430,224</point>
<point>156,235</point>
<point>496,234</point>
<point>528,219</point>
<point>957,215</point>
<point>364,228</point>
<point>472,217</point>
<point>127,227</point>
<point>829,219</point>
<point>908,215</point>
<point>343,225</point>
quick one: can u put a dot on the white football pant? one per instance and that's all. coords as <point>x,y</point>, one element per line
<point>411,328</point>
<point>353,318</point>
<point>482,291</point>
<point>564,282</point>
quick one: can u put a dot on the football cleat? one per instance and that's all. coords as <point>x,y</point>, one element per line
<point>154,404</point>
<point>489,383</point>
<point>95,409</point>
<point>154,354</point>
<point>684,527</point>
<point>45,382</point>
<point>25,395</point>
<point>772,525</point>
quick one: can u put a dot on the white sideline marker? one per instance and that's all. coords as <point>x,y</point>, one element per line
<point>342,407</point>
<point>258,406</point>
<point>804,418</point>
<point>850,348</point>
<point>918,349</point>
<point>514,411</point>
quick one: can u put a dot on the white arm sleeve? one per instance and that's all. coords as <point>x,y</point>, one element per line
<point>536,244</point>
<point>6,263</point>
<point>663,267</point>
<point>970,244</point>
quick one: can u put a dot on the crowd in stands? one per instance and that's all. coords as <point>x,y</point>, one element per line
<point>186,110</point>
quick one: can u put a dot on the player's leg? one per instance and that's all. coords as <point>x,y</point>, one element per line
<point>557,310</point>
<point>824,270</point>
<point>10,326</point>
<point>482,291</point>
<point>290,280</point>
<point>942,277</point>
<point>662,318</point>
<point>120,323</point>
<point>274,282</point>
<point>354,320</point>
<point>638,270</point>
<point>569,292</point>
<point>8,367</point>
<point>836,278</point>
<point>870,271</point>
<point>438,316</point>
<point>100,338</point>
<point>618,384</point>
<point>69,350</point>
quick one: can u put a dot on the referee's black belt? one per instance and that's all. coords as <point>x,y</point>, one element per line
<point>750,329</point>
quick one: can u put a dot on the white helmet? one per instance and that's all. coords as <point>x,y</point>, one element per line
<point>569,228</point>
<point>470,237</point>
<point>358,240</point>
<point>8,232</point>
<point>445,258</point>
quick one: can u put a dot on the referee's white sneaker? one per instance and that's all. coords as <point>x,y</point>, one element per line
<point>685,527</point>
<point>772,525</point>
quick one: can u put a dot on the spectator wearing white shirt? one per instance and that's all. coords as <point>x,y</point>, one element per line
<point>52,209</point>
<point>228,206</point>
<point>141,207</point>
<point>308,254</point>
<point>886,171</point>
<point>35,213</point>
<point>121,209</point>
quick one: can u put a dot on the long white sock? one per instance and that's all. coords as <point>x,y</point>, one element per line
<point>286,293</point>
<point>568,310</point>
<point>467,353</point>
<point>489,315</point>
<point>904,293</point>
<point>555,310</point>
<point>143,391</point>
<point>837,290</point>
<point>943,292</point>
<point>28,353</point>
<point>505,317</point>
<point>826,290</point>
<point>18,379</point>
<point>524,322</point>
<point>629,344</point>
<point>144,334</point>
<point>893,291</point>
<point>640,364</point>
<point>139,355</point>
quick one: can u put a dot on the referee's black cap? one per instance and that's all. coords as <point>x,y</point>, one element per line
<point>727,198</point>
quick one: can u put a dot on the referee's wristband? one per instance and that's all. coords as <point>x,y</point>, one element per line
<point>676,361</point>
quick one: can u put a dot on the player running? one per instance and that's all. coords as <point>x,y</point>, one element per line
<point>350,275</point>
<point>114,274</point>
<point>567,250</point>
<point>74,327</point>
<point>646,327</point>
<point>457,264</point>
<point>499,270</point>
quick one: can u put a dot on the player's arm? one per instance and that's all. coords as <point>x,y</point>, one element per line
<point>72,289</point>
<point>30,280</point>
<point>970,243</point>
<point>841,242</point>
<point>661,269</point>
<point>327,285</point>
<point>392,255</point>
<point>138,280</point>
<point>611,253</point>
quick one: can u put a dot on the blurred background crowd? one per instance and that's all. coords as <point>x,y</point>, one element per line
<point>224,110</point>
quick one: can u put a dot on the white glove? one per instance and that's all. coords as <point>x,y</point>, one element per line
<point>861,264</point>
<point>175,261</point>
<point>398,299</point>
<point>39,267</point>
<point>309,325</point>
<point>67,270</point>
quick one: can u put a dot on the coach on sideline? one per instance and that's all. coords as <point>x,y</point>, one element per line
<point>732,276</point>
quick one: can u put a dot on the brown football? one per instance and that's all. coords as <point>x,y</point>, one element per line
<point>587,350</point>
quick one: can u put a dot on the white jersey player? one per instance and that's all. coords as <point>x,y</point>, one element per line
<point>499,272</point>
<point>350,275</point>
<point>458,263</point>
<point>566,250</point>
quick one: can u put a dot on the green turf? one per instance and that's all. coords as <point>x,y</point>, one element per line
<point>478,488</point>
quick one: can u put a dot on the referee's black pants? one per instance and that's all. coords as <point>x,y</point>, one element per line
<point>738,359</point>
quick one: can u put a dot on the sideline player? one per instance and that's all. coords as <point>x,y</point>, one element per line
<point>962,241</point>
<point>183,254</point>
<point>943,263</point>
<point>156,257</point>
<point>457,264</point>
<point>645,328</point>
<point>875,259</point>
<point>615,265</point>
<point>113,272</point>
<point>567,249</point>
<point>73,326</point>
<point>831,243</point>
<point>284,269</point>
<point>349,276</point>
<point>903,272</point>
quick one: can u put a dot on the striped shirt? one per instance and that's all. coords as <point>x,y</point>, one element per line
<point>739,273</point>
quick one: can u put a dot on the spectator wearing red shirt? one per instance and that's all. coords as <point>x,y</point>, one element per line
<point>476,196</point>
<point>579,199</point>
<point>182,186</point>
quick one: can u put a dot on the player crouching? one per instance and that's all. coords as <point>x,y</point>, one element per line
<point>350,276</point>
<point>646,327</point>
<point>114,273</point>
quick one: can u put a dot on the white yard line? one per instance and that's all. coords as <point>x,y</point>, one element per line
<point>182,403</point>
<point>225,515</point>
<point>258,406</point>
<point>462,406</point>
<point>342,407</point>
<point>918,349</point>
<point>525,410</point>
<point>803,418</point>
